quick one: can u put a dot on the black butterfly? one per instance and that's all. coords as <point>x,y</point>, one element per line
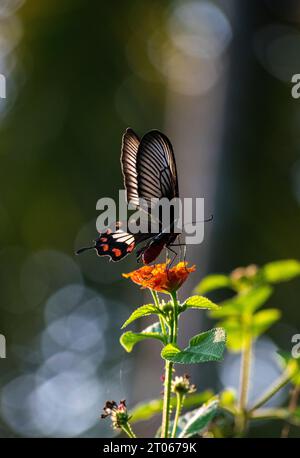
<point>149,171</point>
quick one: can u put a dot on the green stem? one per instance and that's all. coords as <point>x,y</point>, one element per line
<point>161,319</point>
<point>269,393</point>
<point>245,372</point>
<point>271,413</point>
<point>128,430</point>
<point>241,419</point>
<point>173,331</point>
<point>275,414</point>
<point>180,399</point>
<point>167,400</point>
<point>175,315</point>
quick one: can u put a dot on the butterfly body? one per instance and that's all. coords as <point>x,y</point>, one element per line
<point>149,253</point>
<point>149,172</point>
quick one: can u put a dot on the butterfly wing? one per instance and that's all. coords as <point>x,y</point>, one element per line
<point>156,167</point>
<point>129,151</point>
<point>118,244</point>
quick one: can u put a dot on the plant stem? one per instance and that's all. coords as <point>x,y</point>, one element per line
<point>275,414</point>
<point>279,383</point>
<point>167,399</point>
<point>128,430</point>
<point>270,414</point>
<point>291,409</point>
<point>245,372</point>
<point>241,419</point>
<point>168,370</point>
<point>180,399</point>
<point>161,319</point>
<point>175,319</point>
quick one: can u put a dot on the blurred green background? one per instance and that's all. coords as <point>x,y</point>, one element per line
<point>215,77</point>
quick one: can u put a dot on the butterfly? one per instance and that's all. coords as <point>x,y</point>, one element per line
<point>149,172</point>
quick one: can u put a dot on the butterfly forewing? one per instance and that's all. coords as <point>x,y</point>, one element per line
<point>156,167</point>
<point>130,145</point>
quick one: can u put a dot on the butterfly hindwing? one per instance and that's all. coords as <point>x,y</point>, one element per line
<point>118,244</point>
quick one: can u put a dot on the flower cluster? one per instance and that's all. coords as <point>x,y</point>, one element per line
<point>182,385</point>
<point>161,278</point>
<point>244,272</point>
<point>117,412</point>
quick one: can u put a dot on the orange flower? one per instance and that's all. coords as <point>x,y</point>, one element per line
<point>159,278</point>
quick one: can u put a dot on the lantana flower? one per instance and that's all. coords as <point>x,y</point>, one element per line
<point>117,412</point>
<point>160,278</point>
<point>182,385</point>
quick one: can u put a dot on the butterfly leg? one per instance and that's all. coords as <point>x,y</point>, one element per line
<point>183,250</point>
<point>172,260</point>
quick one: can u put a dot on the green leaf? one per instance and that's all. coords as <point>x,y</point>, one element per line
<point>144,310</point>
<point>199,302</point>
<point>146,410</point>
<point>257,325</point>
<point>234,334</point>
<point>263,320</point>
<point>194,423</point>
<point>207,346</point>
<point>292,365</point>
<point>129,338</point>
<point>212,282</point>
<point>228,398</point>
<point>246,302</point>
<point>278,271</point>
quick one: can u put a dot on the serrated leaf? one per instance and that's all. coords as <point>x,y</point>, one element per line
<point>243,302</point>
<point>199,302</point>
<point>144,310</point>
<point>194,423</point>
<point>212,282</point>
<point>279,271</point>
<point>129,338</point>
<point>263,319</point>
<point>146,410</point>
<point>207,346</point>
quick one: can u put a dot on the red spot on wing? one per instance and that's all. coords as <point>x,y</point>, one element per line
<point>117,252</point>
<point>104,246</point>
<point>103,239</point>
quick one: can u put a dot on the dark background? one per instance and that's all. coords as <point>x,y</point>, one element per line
<point>215,77</point>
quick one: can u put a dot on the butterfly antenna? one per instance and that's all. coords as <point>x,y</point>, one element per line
<point>206,220</point>
<point>81,250</point>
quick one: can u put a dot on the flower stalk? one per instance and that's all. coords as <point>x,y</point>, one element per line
<point>167,400</point>
<point>242,418</point>
<point>179,403</point>
<point>172,338</point>
<point>279,383</point>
